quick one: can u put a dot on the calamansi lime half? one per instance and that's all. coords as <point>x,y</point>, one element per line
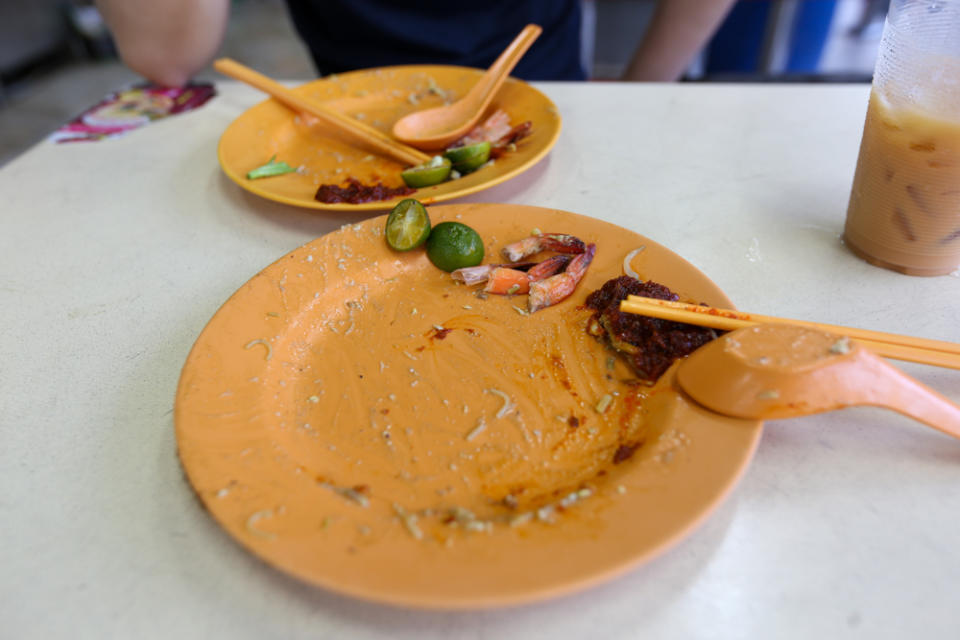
<point>454,245</point>
<point>408,225</point>
<point>427,174</point>
<point>470,157</point>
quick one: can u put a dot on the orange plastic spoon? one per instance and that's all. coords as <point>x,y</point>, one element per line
<point>437,127</point>
<point>785,371</point>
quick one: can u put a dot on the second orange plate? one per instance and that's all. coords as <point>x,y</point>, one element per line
<point>357,419</point>
<point>377,97</point>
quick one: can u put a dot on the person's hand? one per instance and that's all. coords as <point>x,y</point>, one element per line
<point>166,41</point>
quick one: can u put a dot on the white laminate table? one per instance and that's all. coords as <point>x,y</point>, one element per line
<point>115,254</point>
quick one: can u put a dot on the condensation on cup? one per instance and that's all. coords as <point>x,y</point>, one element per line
<point>904,211</point>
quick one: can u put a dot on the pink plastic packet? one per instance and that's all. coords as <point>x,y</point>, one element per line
<point>131,108</point>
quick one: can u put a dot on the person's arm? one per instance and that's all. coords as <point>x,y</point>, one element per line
<point>166,41</point>
<point>677,32</point>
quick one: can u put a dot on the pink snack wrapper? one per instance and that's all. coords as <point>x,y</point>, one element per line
<point>127,109</point>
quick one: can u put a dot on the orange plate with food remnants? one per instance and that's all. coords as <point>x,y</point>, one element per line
<point>357,419</point>
<point>377,97</point>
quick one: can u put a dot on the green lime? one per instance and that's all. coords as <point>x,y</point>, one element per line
<point>453,245</point>
<point>408,225</point>
<point>470,157</point>
<point>428,173</point>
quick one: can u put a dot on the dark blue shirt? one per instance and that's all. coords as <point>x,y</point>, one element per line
<point>343,35</point>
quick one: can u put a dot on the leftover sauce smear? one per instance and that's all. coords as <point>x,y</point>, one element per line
<point>495,129</point>
<point>355,192</point>
<point>417,406</point>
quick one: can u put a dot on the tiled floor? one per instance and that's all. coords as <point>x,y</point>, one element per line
<point>260,35</point>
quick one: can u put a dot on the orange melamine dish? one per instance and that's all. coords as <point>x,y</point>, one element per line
<point>356,419</point>
<point>376,97</point>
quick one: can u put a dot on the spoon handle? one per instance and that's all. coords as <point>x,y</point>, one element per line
<point>493,78</point>
<point>893,389</point>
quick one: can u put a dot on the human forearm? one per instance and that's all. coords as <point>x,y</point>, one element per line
<point>166,41</point>
<point>677,31</point>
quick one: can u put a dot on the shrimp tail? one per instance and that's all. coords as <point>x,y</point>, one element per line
<point>481,272</point>
<point>522,248</point>
<point>559,242</point>
<point>549,267</point>
<point>473,275</point>
<point>506,281</point>
<point>563,243</point>
<point>509,141</point>
<point>559,287</point>
<point>494,128</point>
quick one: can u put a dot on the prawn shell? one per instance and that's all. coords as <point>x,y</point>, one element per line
<point>506,281</point>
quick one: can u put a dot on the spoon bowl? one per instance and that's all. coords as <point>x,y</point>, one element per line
<point>785,371</point>
<point>437,127</point>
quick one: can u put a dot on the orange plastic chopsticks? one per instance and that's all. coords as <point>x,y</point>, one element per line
<point>889,345</point>
<point>374,137</point>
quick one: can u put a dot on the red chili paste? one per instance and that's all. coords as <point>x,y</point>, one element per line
<point>356,192</point>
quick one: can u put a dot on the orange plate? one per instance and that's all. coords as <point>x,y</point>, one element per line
<point>338,417</point>
<point>379,97</point>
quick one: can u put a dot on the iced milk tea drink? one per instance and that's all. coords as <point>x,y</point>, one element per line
<point>904,209</point>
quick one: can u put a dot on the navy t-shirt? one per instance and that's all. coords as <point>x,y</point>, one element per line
<point>343,35</point>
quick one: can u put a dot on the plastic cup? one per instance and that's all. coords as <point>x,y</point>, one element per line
<point>904,210</point>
